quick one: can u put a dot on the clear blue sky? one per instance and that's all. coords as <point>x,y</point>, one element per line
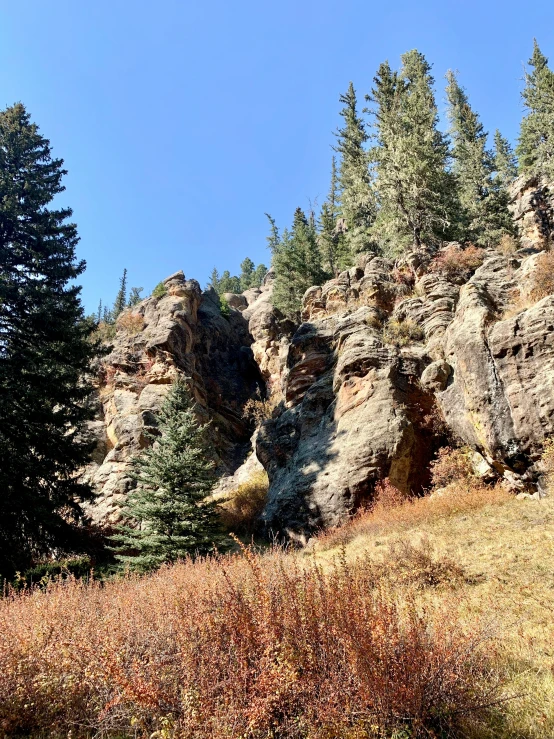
<point>181,122</point>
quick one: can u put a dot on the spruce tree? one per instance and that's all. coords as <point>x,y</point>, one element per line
<point>274,239</point>
<point>168,509</point>
<point>297,264</point>
<point>535,150</point>
<point>410,157</point>
<point>505,162</point>
<point>483,198</point>
<point>356,197</point>
<point>214,280</point>
<point>45,351</point>
<point>259,275</point>
<point>121,297</point>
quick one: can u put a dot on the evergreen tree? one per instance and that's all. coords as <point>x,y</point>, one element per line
<point>134,296</point>
<point>214,280</point>
<point>247,274</point>
<point>45,351</point>
<point>259,275</point>
<point>335,253</point>
<point>535,150</point>
<point>297,264</point>
<point>505,162</point>
<point>107,315</point>
<point>168,507</point>
<point>356,198</point>
<point>228,283</point>
<point>483,199</point>
<point>121,297</point>
<point>410,157</point>
<point>273,240</point>
<point>99,312</point>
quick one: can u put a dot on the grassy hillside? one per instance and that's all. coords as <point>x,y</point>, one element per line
<point>424,618</point>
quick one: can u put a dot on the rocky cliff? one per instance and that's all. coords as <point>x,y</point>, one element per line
<point>390,359</point>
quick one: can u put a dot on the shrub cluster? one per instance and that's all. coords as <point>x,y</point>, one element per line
<point>457,264</point>
<point>402,332</point>
<point>543,277</point>
<point>245,645</point>
<point>130,322</point>
<point>241,512</point>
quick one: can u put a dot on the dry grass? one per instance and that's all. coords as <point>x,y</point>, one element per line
<point>402,332</point>
<point>505,551</point>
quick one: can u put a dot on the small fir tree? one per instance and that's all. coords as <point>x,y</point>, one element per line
<point>484,215</point>
<point>214,280</point>
<point>247,274</point>
<point>335,253</point>
<point>169,507</point>
<point>356,197</point>
<point>274,239</point>
<point>121,297</point>
<point>297,264</point>
<point>535,150</point>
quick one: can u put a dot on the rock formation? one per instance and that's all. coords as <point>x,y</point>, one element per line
<point>383,351</point>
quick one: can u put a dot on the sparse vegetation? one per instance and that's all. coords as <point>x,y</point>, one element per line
<point>457,264</point>
<point>543,277</point>
<point>402,332</point>
<point>131,322</point>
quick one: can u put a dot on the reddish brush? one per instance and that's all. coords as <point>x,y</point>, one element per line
<point>245,646</point>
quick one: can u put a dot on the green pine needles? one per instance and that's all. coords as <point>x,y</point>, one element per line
<point>170,516</point>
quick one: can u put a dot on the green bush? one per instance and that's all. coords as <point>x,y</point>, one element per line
<point>224,307</point>
<point>159,291</point>
<point>402,332</point>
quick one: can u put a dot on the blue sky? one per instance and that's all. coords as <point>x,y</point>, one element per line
<point>182,122</point>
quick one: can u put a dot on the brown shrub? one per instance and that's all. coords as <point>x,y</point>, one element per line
<point>508,245</point>
<point>132,323</point>
<point>257,410</point>
<point>451,465</point>
<point>456,264</point>
<point>242,646</point>
<point>402,332</point>
<point>543,277</point>
<point>241,512</point>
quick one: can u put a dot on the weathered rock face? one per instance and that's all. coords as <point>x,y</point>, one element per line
<point>532,206</point>
<point>351,420</point>
<point>182,332</point>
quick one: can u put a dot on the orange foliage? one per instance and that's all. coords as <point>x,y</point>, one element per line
<point>543,276</point>
<point>245,645</point>
<point>457,264</point>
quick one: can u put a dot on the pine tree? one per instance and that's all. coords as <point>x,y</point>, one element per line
<point>273,240</point>
<point>356,198</point>
<point>214,280</point>
<point>228,283</point>
<point>134,297</point>
<point>505,162</point>
<point>483,199</point>
<point>410,157</point>
<point>535,150</point>
<point>45,351</point>
<point>259,275</point>
<point>168,508</point>
<point>297,264</point>
<point>121,297</point>
<point>99,312</point>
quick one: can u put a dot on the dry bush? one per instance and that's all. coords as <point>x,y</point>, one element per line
<point>508,245</point>
<point>456,264</point>
<point>451,465</point>
<point>132,323</point>
<point>241,512</point>
<point>256,410</point>
<point>242,646</point>
<point>543,277</point>
<point>547,464</point>
<point>402,332</point>
<point>403,276</point>
<point>105,332</point>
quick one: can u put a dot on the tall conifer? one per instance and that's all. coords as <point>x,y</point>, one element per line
<point>356,197</point>
<point>410,157</point>
<point>45,351</point>
<point>483,198</point>
<point>535,150</point>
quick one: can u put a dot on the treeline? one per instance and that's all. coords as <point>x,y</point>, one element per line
<point>398,182</point>
<point>122,301</point>
<point>250,276</point>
